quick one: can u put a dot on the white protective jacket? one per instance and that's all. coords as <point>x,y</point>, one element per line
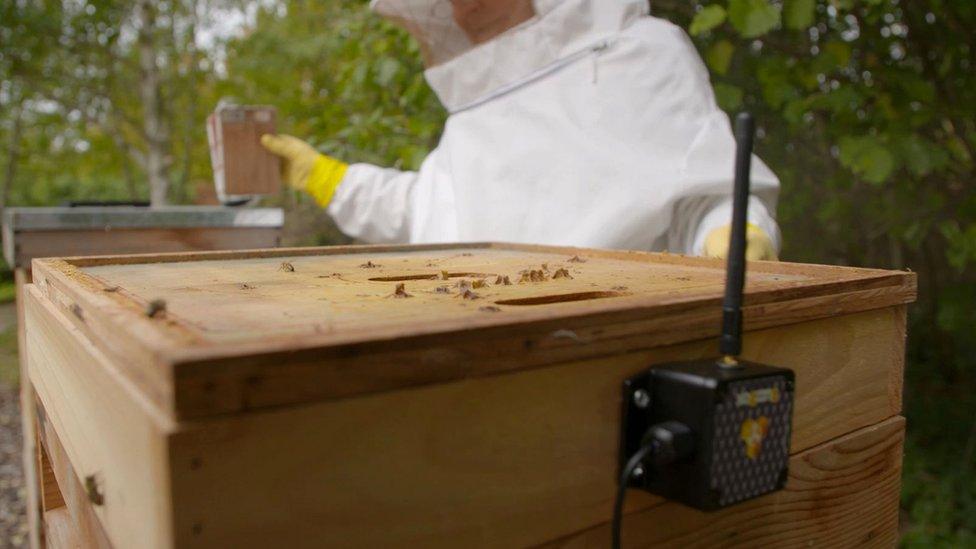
<point>593,124</point>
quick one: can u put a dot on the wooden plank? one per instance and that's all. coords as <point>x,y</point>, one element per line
<point>59,531</point>
<point>51,497</point>
<point>241,334</point>
<point>237,300</point>
<point>31,455</point>
<point>254,378</point>
<point>781,267</point>
<point>108,430</point>
<point>60,243</point>
<point>84,523</point>
<point>843,493</point>
<point>502,461</point>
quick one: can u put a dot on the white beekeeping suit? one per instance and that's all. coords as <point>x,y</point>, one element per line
<point>590,123</point>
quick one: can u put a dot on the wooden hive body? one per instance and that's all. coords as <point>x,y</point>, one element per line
<point>296,397</point>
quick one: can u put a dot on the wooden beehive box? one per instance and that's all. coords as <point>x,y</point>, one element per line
<point>297,398</point>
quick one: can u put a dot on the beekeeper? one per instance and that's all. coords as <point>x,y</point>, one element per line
<point>572,122</point>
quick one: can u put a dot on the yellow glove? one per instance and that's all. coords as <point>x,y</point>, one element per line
<point>758,244</point>
<point>306,169</point>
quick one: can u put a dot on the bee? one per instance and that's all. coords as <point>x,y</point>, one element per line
<point>400,292</point>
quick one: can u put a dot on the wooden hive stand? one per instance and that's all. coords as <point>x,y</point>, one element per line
<point>412,396</point>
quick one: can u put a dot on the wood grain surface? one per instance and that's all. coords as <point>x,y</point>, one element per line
<point>28,419</point>
<point>501,461</point>
<point>83,523</point>
<point>59,531</point>
<point>246,330</point>
<point>844,493</point>
<point>248,168</point>
<point>105,427</point>
<point>431,463</point>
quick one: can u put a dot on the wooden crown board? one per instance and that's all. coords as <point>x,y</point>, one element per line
<point>247,330</point>
<point>242,166</point>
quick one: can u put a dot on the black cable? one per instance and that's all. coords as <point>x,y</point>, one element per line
<point>628,470</point>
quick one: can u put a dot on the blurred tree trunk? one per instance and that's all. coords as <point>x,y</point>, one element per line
<point>128,154</point>
<point>191,54</point>
<point>13,156</point>
<point>155,125</point>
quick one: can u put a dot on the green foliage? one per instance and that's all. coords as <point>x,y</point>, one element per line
<point>9,361</point>
<point>867,157</point>
<point>353,84</point>
<point>8,292</point>
<point>868,110</point>
<point>71,121</point>
<point>939,465</point>
<point>719,56</point>
<point>729,97</point>
<point>707,19</point>
<point>753,18</point>
<point>799,14</point>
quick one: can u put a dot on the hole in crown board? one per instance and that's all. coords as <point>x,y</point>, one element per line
<point>404,278</point>
<point>559,298</point>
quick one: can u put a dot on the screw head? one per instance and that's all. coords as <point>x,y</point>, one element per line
<point>638,472</point>
<point>642,399</point>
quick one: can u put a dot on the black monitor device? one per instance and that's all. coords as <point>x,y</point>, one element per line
<point>714,432</point>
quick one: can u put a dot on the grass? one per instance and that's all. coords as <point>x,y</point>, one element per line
<point>939,478</point>
<point>9,364</point>
<point>8,291</point>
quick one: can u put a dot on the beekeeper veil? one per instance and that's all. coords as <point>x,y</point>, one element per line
<point>446,29</point>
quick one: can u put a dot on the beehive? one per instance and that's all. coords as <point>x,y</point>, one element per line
<point>113,228</point>
<point>305,398</point>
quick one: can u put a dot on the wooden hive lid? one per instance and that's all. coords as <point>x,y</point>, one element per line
<point>247,330</point>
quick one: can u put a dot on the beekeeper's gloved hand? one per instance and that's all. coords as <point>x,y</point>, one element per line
<point>306,169</point>
<point>758,244</point>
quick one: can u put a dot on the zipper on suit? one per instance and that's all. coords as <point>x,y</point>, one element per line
<point>593,50</point>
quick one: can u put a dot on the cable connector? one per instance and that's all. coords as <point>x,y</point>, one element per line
<point>663,444</point>
<point>672,440</point>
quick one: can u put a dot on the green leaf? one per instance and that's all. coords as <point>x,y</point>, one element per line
<point>707,19</point>
<point>386,71</point>
<point>729,97</point>
<point>920,156</point>
<point>838,53</point>
<point>794,111</point>
<point>719,56</point>
<point>961,249</point>
<point>777,88</point>
<point>799,14</point>
<point>753,18</point>
<point>868,157</point>
<point>959,150</point>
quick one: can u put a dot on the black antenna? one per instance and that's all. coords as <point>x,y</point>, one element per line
<point>731,343</point>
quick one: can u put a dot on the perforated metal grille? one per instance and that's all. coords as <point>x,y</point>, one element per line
<point>752,438</point>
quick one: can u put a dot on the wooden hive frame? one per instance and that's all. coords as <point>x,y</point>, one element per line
<point>439,422</point>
